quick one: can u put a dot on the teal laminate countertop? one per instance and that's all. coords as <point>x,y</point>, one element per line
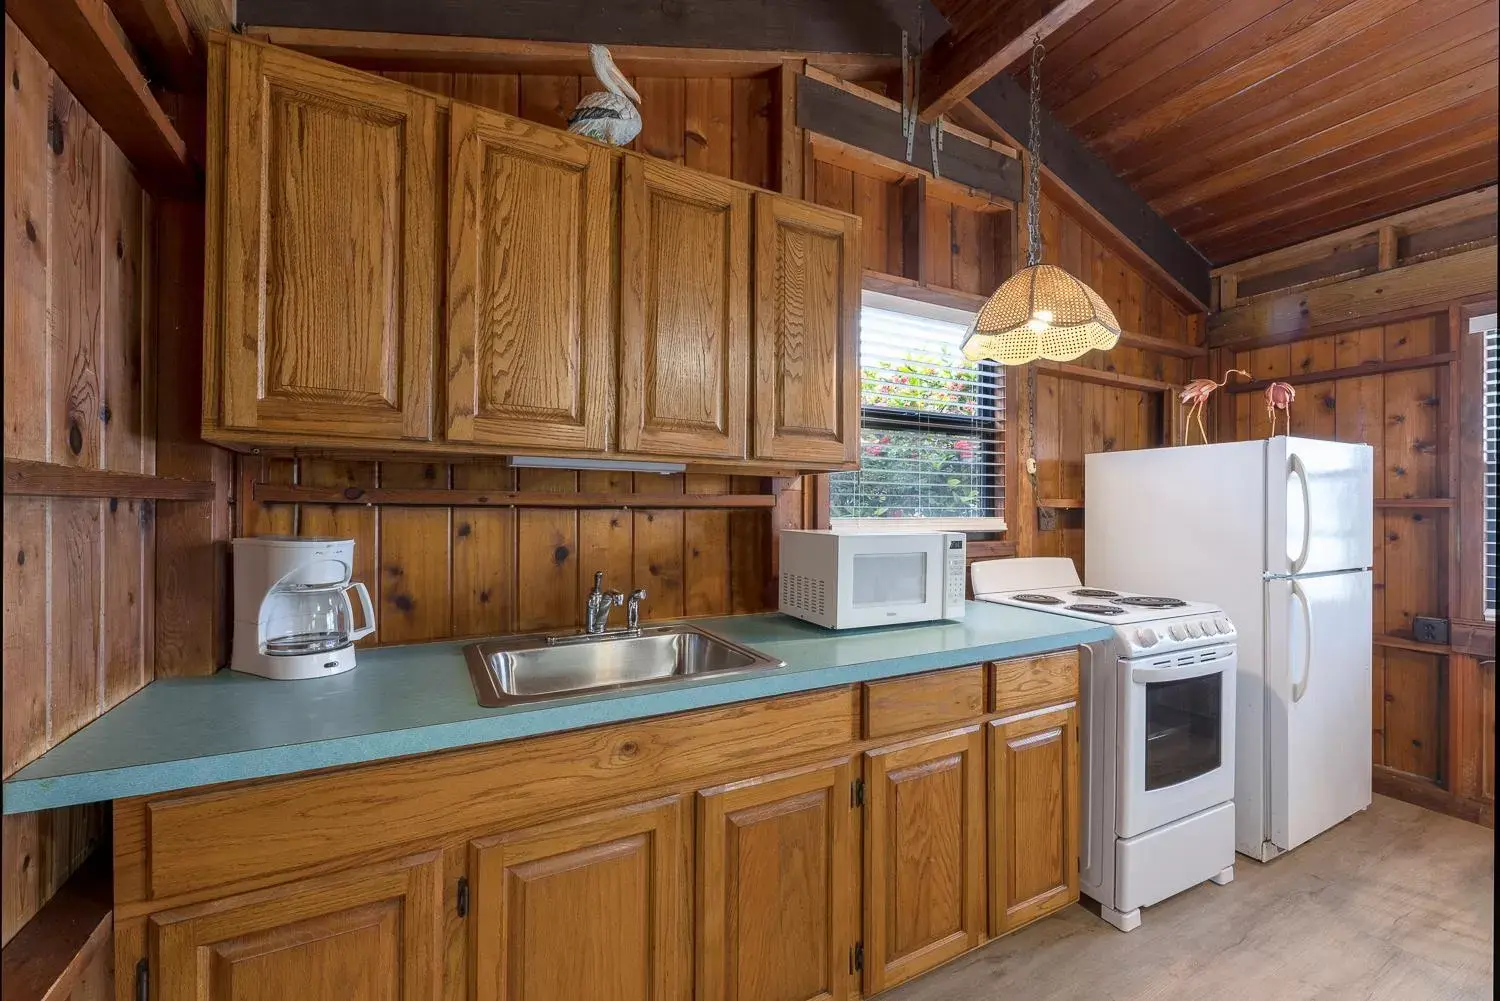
<point>181,733</point>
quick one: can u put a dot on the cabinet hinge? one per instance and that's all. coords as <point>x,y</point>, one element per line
<point>463,896</point>
<point>857,793</point>
<point>142,981</point>
<point>857,957</point>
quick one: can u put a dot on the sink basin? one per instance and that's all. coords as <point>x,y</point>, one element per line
<point>523,670</point>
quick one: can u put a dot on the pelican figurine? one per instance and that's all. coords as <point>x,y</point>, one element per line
<point>607,115</point>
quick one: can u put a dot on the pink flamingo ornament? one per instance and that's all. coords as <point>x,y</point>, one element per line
<point>1279,396</point>
<point>1196,393</point>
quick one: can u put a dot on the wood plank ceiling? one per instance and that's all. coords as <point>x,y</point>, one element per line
<point>1256,124</point>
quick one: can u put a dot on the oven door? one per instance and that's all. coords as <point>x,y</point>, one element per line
<point>886,580</point>
<point>1176,737</point>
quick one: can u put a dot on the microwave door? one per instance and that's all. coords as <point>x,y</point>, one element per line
<point>891,581</point>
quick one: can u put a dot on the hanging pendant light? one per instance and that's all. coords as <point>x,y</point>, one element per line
<point>1041,311</point>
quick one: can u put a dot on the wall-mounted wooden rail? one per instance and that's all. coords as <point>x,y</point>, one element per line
<point>1064,504</point>
<point>1350,372</point>
<point>1413,503</point>
<point>48,479</point>
<point>273,493</point>
<point>1100,377</point>
<point>1407,643</point>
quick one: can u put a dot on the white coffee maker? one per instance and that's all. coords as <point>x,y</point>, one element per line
<point>292,614</point>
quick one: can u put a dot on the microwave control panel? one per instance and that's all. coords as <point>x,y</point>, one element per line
<point>954,549</point>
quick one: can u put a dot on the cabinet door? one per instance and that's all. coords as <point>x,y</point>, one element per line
<point>684,312</point>
<point>1033,817</point>
<point>371,934</point>
<point>591,907</point>
<point>807,293</point>
<point>777,887</point>
<point>530,240</point>
<point>329,224</point>
<point>924,854</point>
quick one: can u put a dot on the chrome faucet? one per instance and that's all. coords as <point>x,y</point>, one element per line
<point>599,604</point>
<point>633,610</point>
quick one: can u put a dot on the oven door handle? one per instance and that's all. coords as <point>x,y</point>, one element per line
<point>1152,675</point>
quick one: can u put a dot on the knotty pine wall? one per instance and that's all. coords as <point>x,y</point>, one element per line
<point>78,572</point>
<point>1402,416</point>
<point>438,572</point>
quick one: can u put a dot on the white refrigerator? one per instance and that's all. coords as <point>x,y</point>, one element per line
<point>1279,534</point>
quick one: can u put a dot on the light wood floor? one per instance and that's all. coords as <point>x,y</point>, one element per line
<point>1395,903</point>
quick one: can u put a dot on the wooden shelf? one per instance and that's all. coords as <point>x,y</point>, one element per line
<point>1116,380</point>
<point>1407,643</point>
<point>1414,503</point>
<point>1066,504</point>
<point>272,493</point>
<point>49,479</point>
<point>1351,372</point>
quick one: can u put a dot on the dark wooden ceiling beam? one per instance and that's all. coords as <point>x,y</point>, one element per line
<point>77,40</point>
<point>1091,183</point>
<point>983,40</point>
<point>159,30</point>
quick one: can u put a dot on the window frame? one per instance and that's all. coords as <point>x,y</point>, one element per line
<point>992,430</point>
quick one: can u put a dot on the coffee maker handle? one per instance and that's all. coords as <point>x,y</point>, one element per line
<point>369,610</point>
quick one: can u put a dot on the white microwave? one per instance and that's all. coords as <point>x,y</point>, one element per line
<point>850,580</point>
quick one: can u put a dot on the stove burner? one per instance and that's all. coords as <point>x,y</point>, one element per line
<point>1097,609</point>
<point>1039,599</point>
<point>1147,601</point>
<point>1094,592</point>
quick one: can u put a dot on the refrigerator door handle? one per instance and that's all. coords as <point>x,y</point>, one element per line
<point>1295,466</point>
<point>1299,688</point>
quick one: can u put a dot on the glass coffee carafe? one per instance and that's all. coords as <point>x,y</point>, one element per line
<point>302,616</point>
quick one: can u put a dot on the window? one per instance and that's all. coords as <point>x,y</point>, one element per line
<point>932,452</point>
<point>1487,324</point>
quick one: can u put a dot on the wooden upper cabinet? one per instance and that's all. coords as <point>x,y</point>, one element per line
<point>371,934</point>
<point>529,356</point>
<point>590,907</point>
<point>924,854</point>
<point>684,312</point>
<point>778,887</point>
<point>807,293</point>
<point>329,270</point>
<point>1034,817</point>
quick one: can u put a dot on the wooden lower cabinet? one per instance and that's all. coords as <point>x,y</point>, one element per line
<point>594,907</point>
<point>1034,817</point>
<point>369,934</point>
<point>778,902</point>
<point>924,854</point>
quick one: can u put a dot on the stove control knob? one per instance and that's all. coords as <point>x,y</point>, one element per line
<point>1224,626</point>
<point>1146,637</point>
<point>1194,630</point>
<point>1178,633</point>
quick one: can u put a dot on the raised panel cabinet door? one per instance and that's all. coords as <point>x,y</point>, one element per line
<point>684,312</point>
<point>924,854</point>
<point>778,871</point>
<point>370,934</point>
<point>590,907</point>
<point>330,279</point>
<point>807,294</point>
<point>1033,817</point>
<point>529,354</point>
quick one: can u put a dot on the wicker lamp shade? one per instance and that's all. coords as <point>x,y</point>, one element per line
<point>1041,312</point>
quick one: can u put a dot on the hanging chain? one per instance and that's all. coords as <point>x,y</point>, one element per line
<point>1034,162</point>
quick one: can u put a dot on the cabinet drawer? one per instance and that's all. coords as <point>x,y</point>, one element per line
<point>1028,682</point>
<point>923,701</point>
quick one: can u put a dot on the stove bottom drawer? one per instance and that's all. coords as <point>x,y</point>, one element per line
<point>1153,866</point>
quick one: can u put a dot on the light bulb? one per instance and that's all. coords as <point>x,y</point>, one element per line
<point>1045,315</point>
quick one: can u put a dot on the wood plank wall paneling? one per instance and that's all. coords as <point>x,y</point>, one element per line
<point>79,573</point>
<point>1399,414</point>
<point>438,572</point>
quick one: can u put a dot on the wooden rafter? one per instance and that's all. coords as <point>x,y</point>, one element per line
<point>158,28</point>
<point>83,48</point>
<point>985,38</point>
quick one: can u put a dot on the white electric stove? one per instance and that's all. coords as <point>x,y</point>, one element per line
<point>1157,797</point>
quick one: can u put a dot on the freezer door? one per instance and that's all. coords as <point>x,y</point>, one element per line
<point>1319,506</point>
<point>1318,657</point>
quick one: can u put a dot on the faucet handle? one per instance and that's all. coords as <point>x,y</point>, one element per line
<point>634,611</point>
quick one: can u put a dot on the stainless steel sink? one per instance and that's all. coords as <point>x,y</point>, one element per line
<point>523,670</point>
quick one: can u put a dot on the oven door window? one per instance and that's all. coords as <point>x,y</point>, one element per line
<point>1183,729</point>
